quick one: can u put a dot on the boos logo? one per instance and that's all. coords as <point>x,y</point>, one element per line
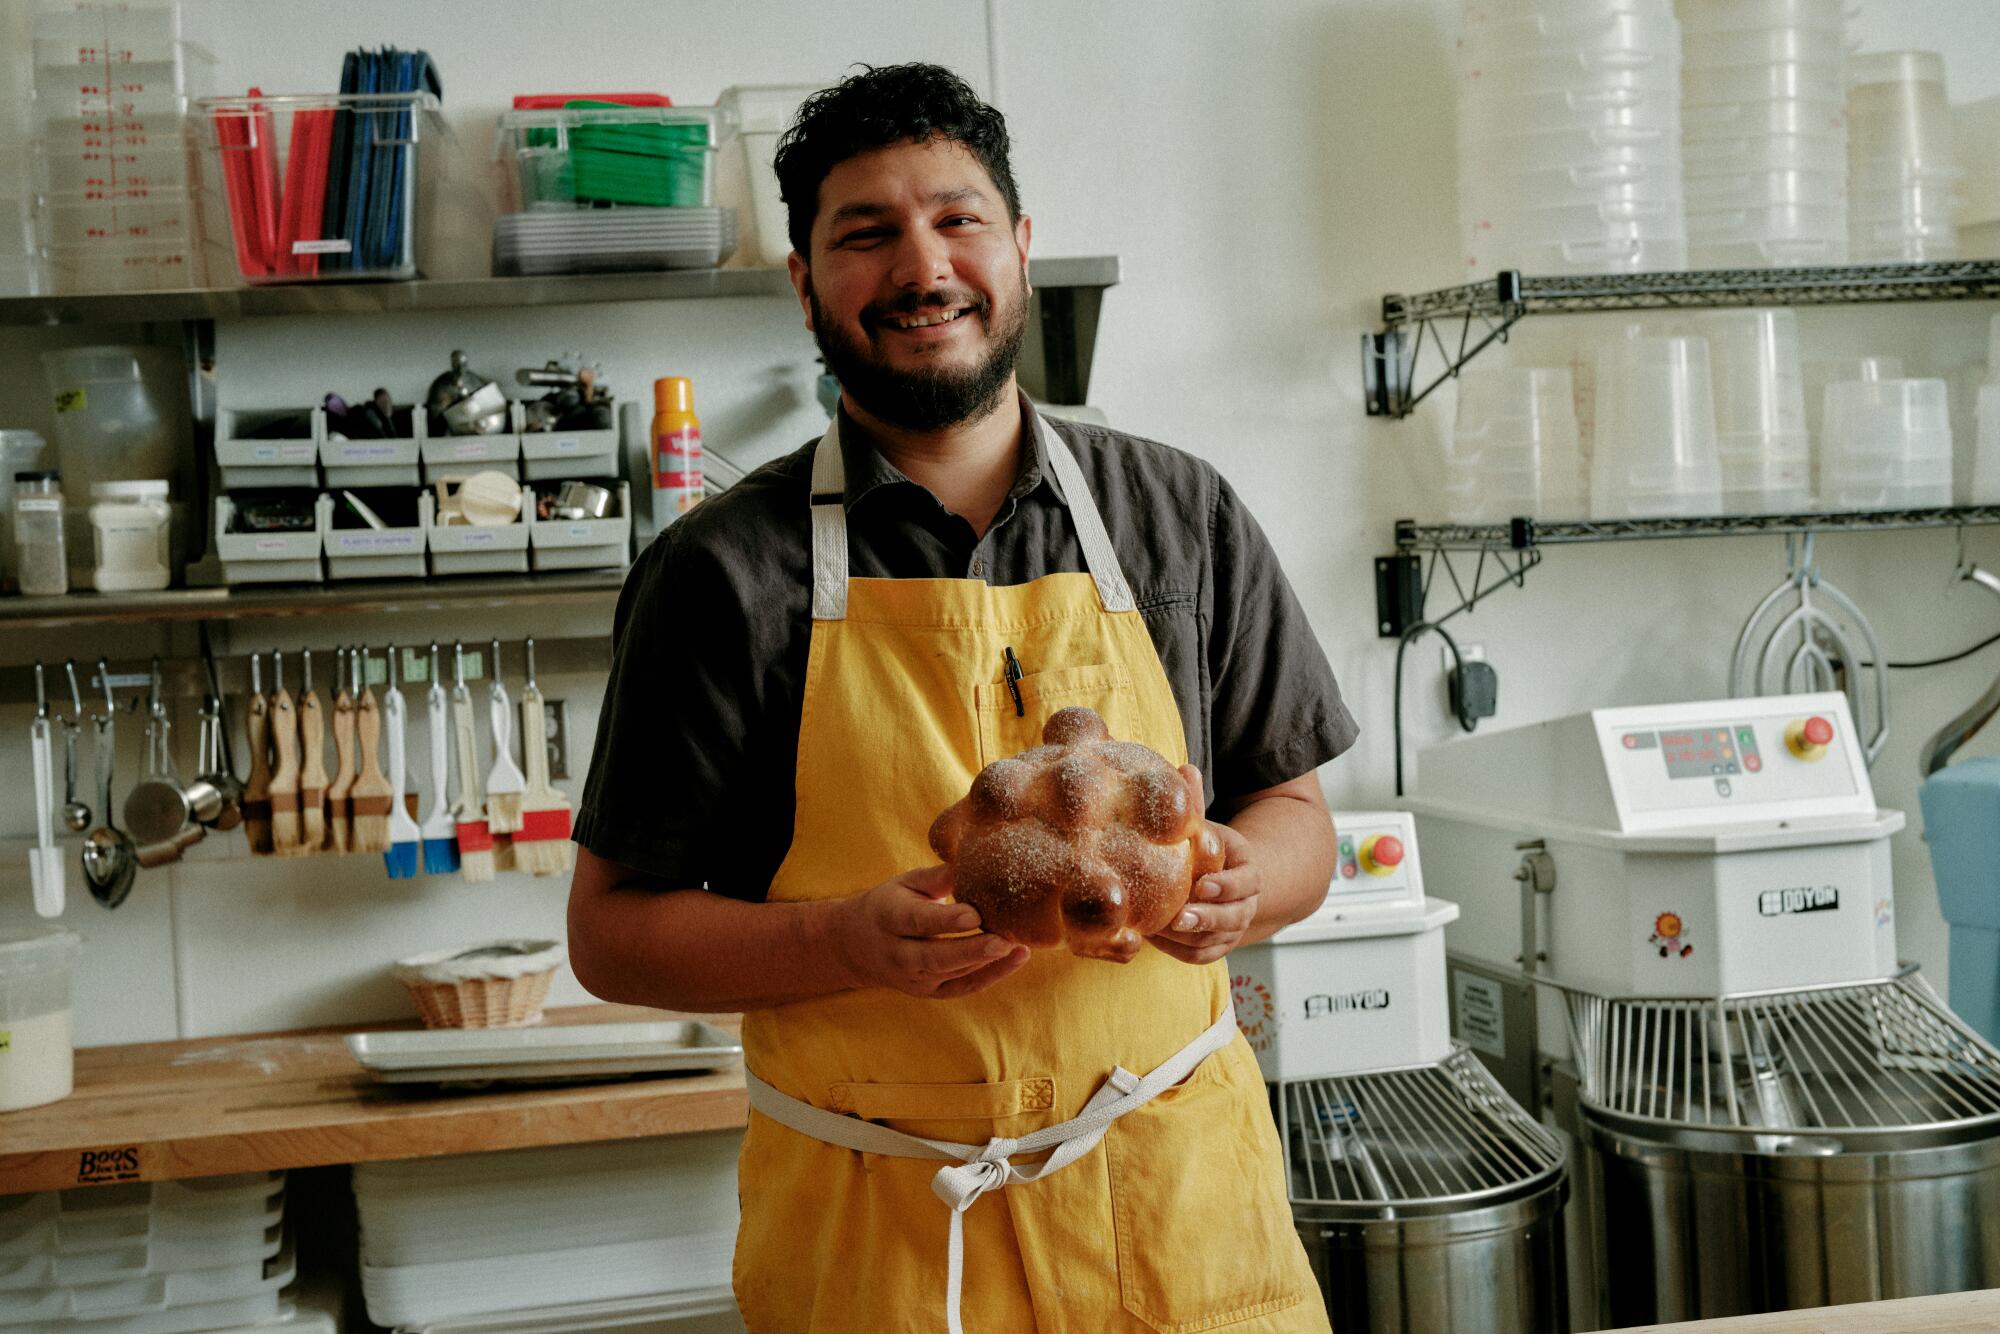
<point>95,1167</point>
<point>1319,1007</point>
<point>1255,1014</point>
<point>1809,898</point>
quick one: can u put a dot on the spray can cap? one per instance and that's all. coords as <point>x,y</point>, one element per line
<point>673,393</point>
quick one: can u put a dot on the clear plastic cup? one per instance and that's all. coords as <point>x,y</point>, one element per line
<point>1704,85</point>
<point>1986,449</point>
<point>1493,102</point>
<point>1567,71</point>
<point>1763,116</point>
<point>1759,383</point>
<point>1897,109</point>
<point>1776,45</point>
<point>1711,155</point>
<point>1821,372</point>
<point>1514,450</point>
<point>1767,189</point>
<point>1594,29</point>
<point>1656,449</point>
<point>1761,476</point>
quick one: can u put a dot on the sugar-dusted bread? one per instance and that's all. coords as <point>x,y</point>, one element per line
<point>1082,841</point>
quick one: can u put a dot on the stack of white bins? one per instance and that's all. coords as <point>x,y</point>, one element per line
<point>492,1240</point>
<point>148,1258</point>
<point>1513,451</point>
<point>1570,137</point>
<point>114,207</point>
<point>1902,168</point>
<point>1764,132</point>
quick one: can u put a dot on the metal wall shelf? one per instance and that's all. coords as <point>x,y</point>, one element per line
<point>1507,551</point>
<point>578,588</point>
<point>1481,313</point>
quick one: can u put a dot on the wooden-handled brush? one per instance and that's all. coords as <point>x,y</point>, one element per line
<point>475,840</point>
<point>541,844</point>
<point>400,857</point>
<point>285,775</point>
<point>339,820</point>
<point>312,764</point>
<point>504,783</point>
<point>440,827</point>
<point>370,796</point>
<point>257,787</point>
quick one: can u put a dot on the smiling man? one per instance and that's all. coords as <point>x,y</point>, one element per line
<point>810,666</point>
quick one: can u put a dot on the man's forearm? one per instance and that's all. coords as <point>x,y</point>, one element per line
<point>702,953</point>
<point>1295,845</point>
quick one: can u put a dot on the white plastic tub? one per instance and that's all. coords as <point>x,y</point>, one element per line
<point>37,1059</point>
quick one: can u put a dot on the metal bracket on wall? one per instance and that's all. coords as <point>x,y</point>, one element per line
<point>1403,582</point>
<point>1389,359</point>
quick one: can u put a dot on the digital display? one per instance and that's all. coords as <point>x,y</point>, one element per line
<point>1702,752</point>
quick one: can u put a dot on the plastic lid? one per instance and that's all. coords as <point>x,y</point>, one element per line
<point>153,490</point>
<point>38,950</point>
<point>94,363</point>
<point>39,475</point>
<point>673,393</point>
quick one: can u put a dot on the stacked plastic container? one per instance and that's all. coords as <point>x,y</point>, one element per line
<point>114,207</point>
<point>1902,168</point>
<point>1764,132</point>
<point>497,1234</point>
<point>1887,445</point>
<point>1514,449</point>
<point>1656,453</point>
<point>19,268</point>
<point>146,1258</point>
<point>1570,136</point>
<point>1760,410</point>
<point>1985,471</point>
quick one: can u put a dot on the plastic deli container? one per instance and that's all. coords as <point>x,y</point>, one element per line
<point>37,1063</point>
<point>594,154</point>
<point>321,187</point>
<point>118,414</point>
<point>130,531</point>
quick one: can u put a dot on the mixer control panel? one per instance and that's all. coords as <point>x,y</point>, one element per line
<point>1738,758</point>
<point>1378,862</point>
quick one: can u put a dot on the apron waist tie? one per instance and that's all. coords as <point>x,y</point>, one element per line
<point>980,1169</point>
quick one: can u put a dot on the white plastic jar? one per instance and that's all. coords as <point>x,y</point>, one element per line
<point>130,524</point>
<point>37,1045</point>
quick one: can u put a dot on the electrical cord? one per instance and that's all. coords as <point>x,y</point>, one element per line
<point>1458,665</point>
<point>1962,654</point>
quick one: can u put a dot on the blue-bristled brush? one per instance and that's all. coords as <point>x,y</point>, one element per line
<point>404,836</point>
<point>440,827</point>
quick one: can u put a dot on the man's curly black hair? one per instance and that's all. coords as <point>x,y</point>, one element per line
<point>873,109</point>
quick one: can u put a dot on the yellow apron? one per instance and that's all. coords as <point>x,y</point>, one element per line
<point>1177,1219</point>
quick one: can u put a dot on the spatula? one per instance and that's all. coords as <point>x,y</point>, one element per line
<point>404,836</point>
<point>475,840</point>
<point>439,828</point>
<point>257,787</point>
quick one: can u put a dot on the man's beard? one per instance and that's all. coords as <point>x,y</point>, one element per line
<point>930,399</point>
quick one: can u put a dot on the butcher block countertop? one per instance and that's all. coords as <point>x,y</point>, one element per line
<point>157,1111</point>
<point>1912,1315</point>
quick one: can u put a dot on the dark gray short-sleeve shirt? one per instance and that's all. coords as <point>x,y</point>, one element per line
<point>691,777</point>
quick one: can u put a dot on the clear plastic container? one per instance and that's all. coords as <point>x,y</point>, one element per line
<point>1706,85</point>
<point>1656,450</point>
<point>1763,116</point>
<point>125,266</point>
<point>1514,450</point>
<point>593,157</point>
<point>20,451</point>
<point>322,187</point>
<point>130,528</point>
<point>1576,146</point>
<point>1887,445</point>
<point>1755,226</point>
<point>1779,45</point>
<point>1705,156</point>
<point>1825,192</point>
<point>1615,254</point>
<point>41,548</point>
<point>120,413</point>
<point>1760,413</point>
<point>1547,70</point>
<point>1590,31</point>
<point>1986,449</point>
<point>1896,241</point>
<point>763,113</point>
<point>37,1063</point>
<point>1817,374</point>
<point>1897,108</point>
<point>1734,15</point>
<point>112,171</point>
<point>1539,112</point>
<point>158,217</point>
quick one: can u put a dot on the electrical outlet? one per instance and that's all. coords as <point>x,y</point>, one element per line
<point>555,727</point>
<point>1470,652</point>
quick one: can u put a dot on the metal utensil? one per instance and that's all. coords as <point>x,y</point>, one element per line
<point>110,861</point>
<point>76,815</point>
<point>213,770</point>
<point>45,869</point>
<point>482,412</point>
<point>586,499</point>
<point>159,808</point>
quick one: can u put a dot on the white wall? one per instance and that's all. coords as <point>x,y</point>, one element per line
<point>1266,173</point>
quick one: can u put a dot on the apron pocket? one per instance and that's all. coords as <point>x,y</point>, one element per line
<point>1205,1233</point>
<point>1106,688</point>
<point>967,1113</point>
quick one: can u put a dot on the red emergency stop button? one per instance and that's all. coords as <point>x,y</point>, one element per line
<point>1381,854</point>
<point>1808,738</point>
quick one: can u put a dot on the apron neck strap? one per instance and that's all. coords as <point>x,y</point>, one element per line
<point>829,521</point>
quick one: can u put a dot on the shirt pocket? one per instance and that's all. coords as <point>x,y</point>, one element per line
<point>1004,732</point>
<point>1204,1230</point>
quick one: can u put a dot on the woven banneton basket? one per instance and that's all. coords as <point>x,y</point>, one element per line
<point>499,985</point>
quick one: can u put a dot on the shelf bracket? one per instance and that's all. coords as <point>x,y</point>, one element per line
<point>1389,359</point>
<point>1403,582</point>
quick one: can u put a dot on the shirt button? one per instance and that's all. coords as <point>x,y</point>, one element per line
<point>978,568</point>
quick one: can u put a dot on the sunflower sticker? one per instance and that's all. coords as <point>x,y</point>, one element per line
<point>1669,936</point>
<point>1256,1014</point>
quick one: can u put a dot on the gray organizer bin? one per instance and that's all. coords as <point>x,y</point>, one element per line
<point>249,464</point>
<point>268,558</point>
<point>350,463</point>
<point>548,456</point>
<point>455,457</point>
<point>582,544</point>
<point>374,553</point>
<point>472,549</point>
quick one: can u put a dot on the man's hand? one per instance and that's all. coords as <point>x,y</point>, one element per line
<point>901,935</point>
<point>1223,904</point>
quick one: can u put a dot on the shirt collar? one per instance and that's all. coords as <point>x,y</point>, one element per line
<point>868,469</point>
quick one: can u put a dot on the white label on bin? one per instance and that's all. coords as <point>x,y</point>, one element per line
<point>1482,1013</point>
<point>330,247</point>
<point>569,446</point>
<point>264,453</point>
<point>367,453</point>
<point>270,546</point>
<point>376,541</point>
<point>472,449</point>
<point>27,506</point>
<point>579,530</point>
<point>482,538</point>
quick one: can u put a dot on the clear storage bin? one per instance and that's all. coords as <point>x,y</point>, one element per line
<point>37,1064</point>
<point>1732,15</point>
<point>1897,108</point>
<point>1774,45</point>
<point>1706,85</point>
<point>1793,116</point>
<point>119,413</point>
<point>1543,112</point>
<point>321,187</point>
<point>1888,445</point>
<point>1514,449</point>
<point>1821,192</point>
<point>1655,449</point>
<point>762,113</point>
<point>589,156</point>
<point>99,172</point>
<point>1592,31</point>
<point>1706,155</point>
<point>156,217</point>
